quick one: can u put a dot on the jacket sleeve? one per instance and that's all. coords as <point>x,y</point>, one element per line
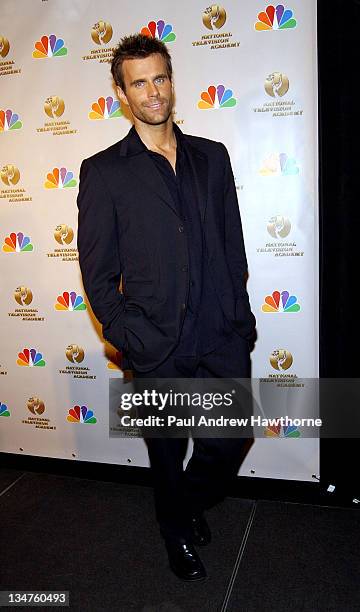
<point>99,253</point>
<point>234,240</point>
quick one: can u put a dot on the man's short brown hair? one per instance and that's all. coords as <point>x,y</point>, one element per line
<point>137,46</point>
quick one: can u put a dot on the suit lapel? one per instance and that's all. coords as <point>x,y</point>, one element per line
<point>146,172</point>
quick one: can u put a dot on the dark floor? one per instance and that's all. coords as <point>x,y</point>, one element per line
<point>98,540</point>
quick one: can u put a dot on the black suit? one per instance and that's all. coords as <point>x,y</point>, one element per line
<point>129,225</point>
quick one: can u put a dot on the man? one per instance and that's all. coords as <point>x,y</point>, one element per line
<point>160,210</point>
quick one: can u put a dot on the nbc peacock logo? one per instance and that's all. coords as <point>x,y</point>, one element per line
<point>81,414</point>
<point>279,226</point>
<point>60,178</point>
<point>214,17</point>
<point>281,359</point>
<point>279,165</point>
<point>74,353</point>
<point>10,175</point>
<point>49,46</point>
<point>105,108</point>
<point>17,243</point>
<point>23,296</point>
<point>281,431</point>
<point>280,302</point>
<point>9,120</point>
<point>69,300</point>
<point>159,29</point>
<point>35,405</point>
<point>54,106</point>
<point>101,32</point>
<point>4,411</point>
<point>216,98</point>
<point>275,18</point>
<point>30,357</point>
<point>276,84</point>
<point>4,46</point>
<point>64,234</point>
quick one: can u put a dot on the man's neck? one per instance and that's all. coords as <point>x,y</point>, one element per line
<point>157,137</point>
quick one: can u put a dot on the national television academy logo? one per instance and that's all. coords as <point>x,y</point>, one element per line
<point>54,107</point>
<point>36,405</point>
<point>63,234</point>
<point>101,32</point>
<point>4,46</point>
<point>275,18</point>
<point>276,84</point>
<point>60,178</point>
<point>216,98</point>
<point>279,226</point>
<point>10,175</point>
<point>49,46</point>
<point>214,17</point>
<point>280,302</point>
<point>74,353</point>
<point>159,29</point>
<point>9,120</point>
<point>23,296</point>
<point>281,359</point>
<point>105,108</point>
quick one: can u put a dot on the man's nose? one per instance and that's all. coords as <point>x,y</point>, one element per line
<point>152,89</point>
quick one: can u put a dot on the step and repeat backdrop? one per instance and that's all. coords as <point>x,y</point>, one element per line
<point>245,74</point>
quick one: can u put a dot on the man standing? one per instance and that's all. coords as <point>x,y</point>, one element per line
<point>159,209</point>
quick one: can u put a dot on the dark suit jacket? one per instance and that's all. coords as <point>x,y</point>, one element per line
<point>129,226</point>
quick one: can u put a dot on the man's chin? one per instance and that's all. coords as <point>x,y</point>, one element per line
<point>155,119</point>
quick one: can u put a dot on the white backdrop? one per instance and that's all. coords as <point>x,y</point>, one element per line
<point>53,71</point>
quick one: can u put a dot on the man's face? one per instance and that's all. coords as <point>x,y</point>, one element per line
<point>148,89</point>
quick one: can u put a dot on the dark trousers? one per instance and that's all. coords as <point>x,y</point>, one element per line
<point>214,463</point>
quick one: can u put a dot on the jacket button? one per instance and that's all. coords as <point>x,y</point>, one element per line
<point>181,228</point>
<point>183,306</point>
<point>184,269</point>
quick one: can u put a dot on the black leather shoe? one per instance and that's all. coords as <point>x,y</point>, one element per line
<point>184,560</point>
<point>201,534</point>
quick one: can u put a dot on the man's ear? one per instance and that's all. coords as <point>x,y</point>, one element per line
<point>122,95</point>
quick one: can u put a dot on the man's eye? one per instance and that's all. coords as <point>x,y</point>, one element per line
<point>139,84</point>
<point>160,80</point>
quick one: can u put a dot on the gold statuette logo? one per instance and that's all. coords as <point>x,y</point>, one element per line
<point>36,405</point>
<point>10,175</point>
<point>23,296</point>
<point>63,234</point>
<point>4,46</point>
<point>101,32</point>
<point>276,85</point>
<point>281,359</point>
<point>75,353</point>
<point>54,107</point>
<point>214,17</point>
